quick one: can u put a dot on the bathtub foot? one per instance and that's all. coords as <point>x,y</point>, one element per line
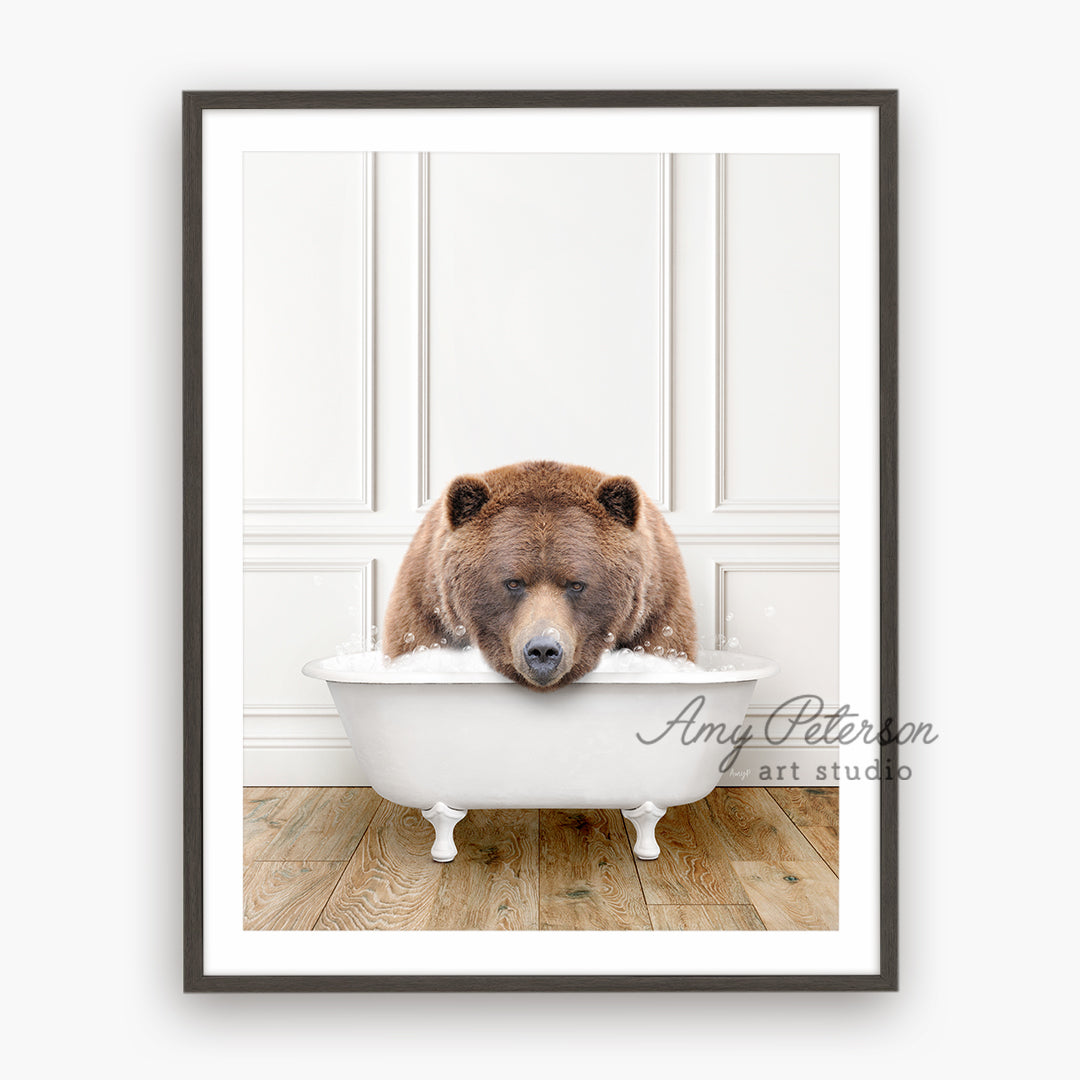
<point>645,818</point>
<point>444,818</point>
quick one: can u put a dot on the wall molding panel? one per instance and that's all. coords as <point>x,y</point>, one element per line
<point>277,712</point>
<point>300,535</point>
<point>723,606</point>
<point>726,537</point>
<point>719,164</point>
<point>364,501</point>
<point>664,346</point>
<point>307,506</point>
<point>367,497</point>
<point>664,390</point>
<point>725,504</point>
<point>295,565</point>
<point>265,666</point>
<point>423,335</point>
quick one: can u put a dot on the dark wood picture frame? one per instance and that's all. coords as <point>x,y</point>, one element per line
<point>194,105</point>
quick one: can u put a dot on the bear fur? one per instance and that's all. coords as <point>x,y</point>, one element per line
<point>542,566</point>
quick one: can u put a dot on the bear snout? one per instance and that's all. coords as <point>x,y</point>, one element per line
<point>542,657</point>
<point>542,651</point>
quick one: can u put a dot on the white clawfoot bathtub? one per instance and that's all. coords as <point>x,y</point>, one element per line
<point>449,742</point>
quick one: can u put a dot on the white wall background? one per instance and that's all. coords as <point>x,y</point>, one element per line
<point>411,316</point>
<point>91,434</point>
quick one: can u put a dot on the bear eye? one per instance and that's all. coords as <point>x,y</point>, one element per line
<point>514,584</point>
<point>576,586</point>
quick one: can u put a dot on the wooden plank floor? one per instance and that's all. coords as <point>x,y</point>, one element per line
<point>346,859</point>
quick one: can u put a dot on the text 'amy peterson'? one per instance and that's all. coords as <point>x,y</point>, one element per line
<point>808,725</point>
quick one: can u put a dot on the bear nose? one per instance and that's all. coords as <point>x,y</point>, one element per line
<point>542,654</point>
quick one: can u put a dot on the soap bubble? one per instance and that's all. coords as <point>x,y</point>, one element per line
<point>436,613</point>
<point>609,638</point>
<point>442,641</point>
<point>459,631</point>
<point>667,631</point>
<point>638,649</point>
<point>410,637</point>
<point>729,616</point>
<point>553,632</point>
<point>658,651</point>
<point>733,643</point>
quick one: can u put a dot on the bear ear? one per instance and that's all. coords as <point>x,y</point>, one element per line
<point>465,497</point>
<point>619,496</point>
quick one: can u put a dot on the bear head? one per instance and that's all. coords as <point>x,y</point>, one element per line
<point>544,566</point>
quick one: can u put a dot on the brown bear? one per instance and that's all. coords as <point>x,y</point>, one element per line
<point>542,566</point>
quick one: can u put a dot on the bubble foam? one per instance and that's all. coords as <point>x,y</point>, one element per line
<point>457,661</point>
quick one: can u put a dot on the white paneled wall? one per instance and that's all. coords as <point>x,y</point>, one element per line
<point>409,317</point>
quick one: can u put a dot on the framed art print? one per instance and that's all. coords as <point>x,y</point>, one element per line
<point>540,540</point>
